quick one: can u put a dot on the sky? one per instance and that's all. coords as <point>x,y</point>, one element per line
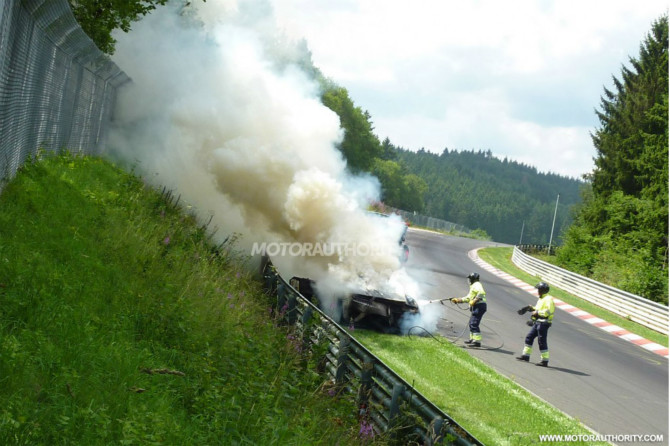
<point>521,78</point>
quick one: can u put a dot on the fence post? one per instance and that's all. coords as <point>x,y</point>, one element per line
<point>282,301</point>
<point>342,359</point>
<point>434,434</point>
<point>394,407</point>
<point>364,392</point>
<point>292,313</point>
<point>306,332</point>
<point>366,383</point>
<point>271,280</point>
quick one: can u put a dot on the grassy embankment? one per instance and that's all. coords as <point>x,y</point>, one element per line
<point>493,408</point>
<point>119,324</point>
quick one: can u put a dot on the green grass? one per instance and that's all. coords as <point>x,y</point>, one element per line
<point>490,406</point>
<point>501,258</point>
<point>121,324</point>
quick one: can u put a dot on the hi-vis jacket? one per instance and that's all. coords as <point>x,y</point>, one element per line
<point>545,308</point>
<point>476,290</point>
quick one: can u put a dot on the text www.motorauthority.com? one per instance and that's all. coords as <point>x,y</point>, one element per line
<point>620,438</point>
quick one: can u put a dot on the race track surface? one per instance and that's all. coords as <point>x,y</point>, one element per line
<point>609,384</point>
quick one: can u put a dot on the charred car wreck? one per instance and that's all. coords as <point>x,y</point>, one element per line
<point>374,309</point>
<point>377,309</point>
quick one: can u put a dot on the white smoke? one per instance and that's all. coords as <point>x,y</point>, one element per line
<point>220,111</point>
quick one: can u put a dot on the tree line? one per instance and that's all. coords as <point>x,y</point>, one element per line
<point>512,202</point>
<point>620,231</point>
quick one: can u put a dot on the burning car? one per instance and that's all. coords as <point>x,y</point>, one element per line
<point>381,305</point>
<point>370,308</point>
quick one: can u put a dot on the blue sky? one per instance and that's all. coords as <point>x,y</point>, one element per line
<point>521,78</point>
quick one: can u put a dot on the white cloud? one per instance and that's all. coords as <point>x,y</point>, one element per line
<point>486,114</point>
<point>519,78</point>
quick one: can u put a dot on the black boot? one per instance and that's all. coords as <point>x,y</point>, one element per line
<point>523,358</point>
<point>543,364</point>
<point>469,341</point>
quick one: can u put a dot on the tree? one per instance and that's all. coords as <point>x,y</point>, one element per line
<point>99,18</point>
<point>360,146</point>
<point>399,189</point>
<point>388,150</point>
<point>634,120</point>
<point>415,191</point>
<point>620,231</point>
<point>390,176</point>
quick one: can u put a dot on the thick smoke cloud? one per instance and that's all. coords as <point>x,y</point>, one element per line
<point>220,111</point>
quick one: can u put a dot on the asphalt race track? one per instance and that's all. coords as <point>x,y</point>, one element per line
<point>611,385</point>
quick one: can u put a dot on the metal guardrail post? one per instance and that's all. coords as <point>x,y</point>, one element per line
<point>366,383</point>
<point>434,434</point>
<point>394,405</point>
<point>342,360</point>
<point>282,301</point>
<point>307,316</point>
<point>364,392</point>
<point>292,312</point>
<point>270,282</point>
<point>305,320</point>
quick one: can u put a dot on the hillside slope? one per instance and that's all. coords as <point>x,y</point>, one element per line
<point>119,324</point>
<point>502,197</point>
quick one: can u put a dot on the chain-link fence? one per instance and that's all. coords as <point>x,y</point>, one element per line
<point>425,221</point>
<point>57,88</point>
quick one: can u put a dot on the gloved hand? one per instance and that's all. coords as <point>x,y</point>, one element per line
<point>530,323</point>
<point>455,300</point>
<point>524,310</point>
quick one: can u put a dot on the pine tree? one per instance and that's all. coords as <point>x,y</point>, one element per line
<point>620,231</point>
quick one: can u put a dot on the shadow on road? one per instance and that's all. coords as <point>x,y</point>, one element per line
<point>570,371</point>
<point>495,350</point>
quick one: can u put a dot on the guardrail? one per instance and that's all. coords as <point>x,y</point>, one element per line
<point>389,403</point>
<point>636,308</point>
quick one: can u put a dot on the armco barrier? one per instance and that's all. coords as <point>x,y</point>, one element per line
<point>636,308</point>
<point>389,403</point>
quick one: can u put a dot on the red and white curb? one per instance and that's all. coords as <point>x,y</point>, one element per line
<point>581,314</point>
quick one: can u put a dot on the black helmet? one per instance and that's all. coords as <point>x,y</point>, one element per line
<point>542,287</point>
<point>473,277</point>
